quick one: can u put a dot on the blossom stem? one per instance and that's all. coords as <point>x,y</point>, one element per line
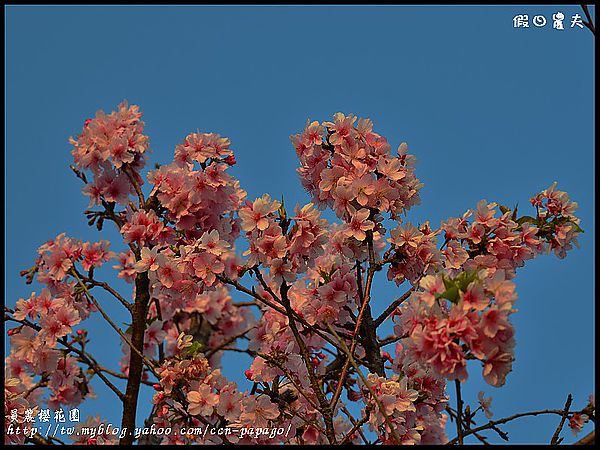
<point>364,309</point>
<point>368,385</point>
<point>390,309</point>
<point>459,414</point>
<point>82,356</point>
<point>325,407</point>
<point>494,423</point>
<point>555,440</point>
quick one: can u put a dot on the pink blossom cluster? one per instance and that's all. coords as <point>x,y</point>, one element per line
<point>328,294</point>
<point>200,200</point>
<point>287,246</point>
<point>49,318</point>
<point>58,256</point>
<point>273,337</point>
<point>39,346</point>
<point>415,253</point>
<point>410,405</point>
<point>449,321</point>
<point>191,394</point>
<point>15,389</point>
<point>145,229</point>
<point>350,168</point>
<point>506,242</point>
<point>301,273</point>
<point>30,357</point>
<point>556,220</point>
<point>212,313</point>
<point>114,148</point>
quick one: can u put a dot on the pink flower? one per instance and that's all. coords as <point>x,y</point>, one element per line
<point>149,261</point>
<point>212,244</point>
<point>52,329</point>
<point>230,404</point>
<point>259,411</point>
<point>126,265</point>
<point>494,320</point>
<point>341,127</point>
<point>255,216</point>
<point>475,297</point>
<point>168,272</point>
<point>202,401</point>
<point>577,421</point>
<point>485,404</point>
<point>432,285</point>
<point>359,223</point>
<point>495,368</point>
<point>95,254</point>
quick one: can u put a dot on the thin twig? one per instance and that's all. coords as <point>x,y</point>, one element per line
<point>459,406</point>
<point>368,385</point>
<point>554,440</point>
<point>492,424</point>
<point>390,309</point>
<point>83,356</point>
<point>589,23</point>
<point>115,327</point>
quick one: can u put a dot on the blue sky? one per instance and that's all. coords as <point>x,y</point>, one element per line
<point>490,112</point>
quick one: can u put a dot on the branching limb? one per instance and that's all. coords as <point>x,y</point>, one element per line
<point>555,438</point>
<point>106,317</point>
<point>368,385</point>
<point>490,425</point>
<point>589,23</point>
<point>82,356</point>
<point>393,306</point>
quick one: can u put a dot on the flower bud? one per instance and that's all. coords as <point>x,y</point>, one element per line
<point>248,374</point>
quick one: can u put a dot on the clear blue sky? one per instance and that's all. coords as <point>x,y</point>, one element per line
<point>490,112</point>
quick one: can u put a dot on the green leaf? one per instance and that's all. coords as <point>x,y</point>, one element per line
<point>577,227</point>
<point>448,282</point>
<point>464,279</point>
<point>282,212</point>
<point>527,219</point>
<point>504,209</point>
<point>193,349</point>
<point>451,294</point>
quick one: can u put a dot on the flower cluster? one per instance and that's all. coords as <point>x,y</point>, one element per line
<point>506,242</point>
<point>309,280</point>
<point>406,409</point>
<point>347,166</point>
<point>450,321</point>
<point>556,220</point>
<point>200,200</point>
<point>58,256</point>
<point>15,399</point>
<point>114,148</point>
<point>145,229</point>
<point>414,253</point>
<point>287,246</point>
<point>190,390</point>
